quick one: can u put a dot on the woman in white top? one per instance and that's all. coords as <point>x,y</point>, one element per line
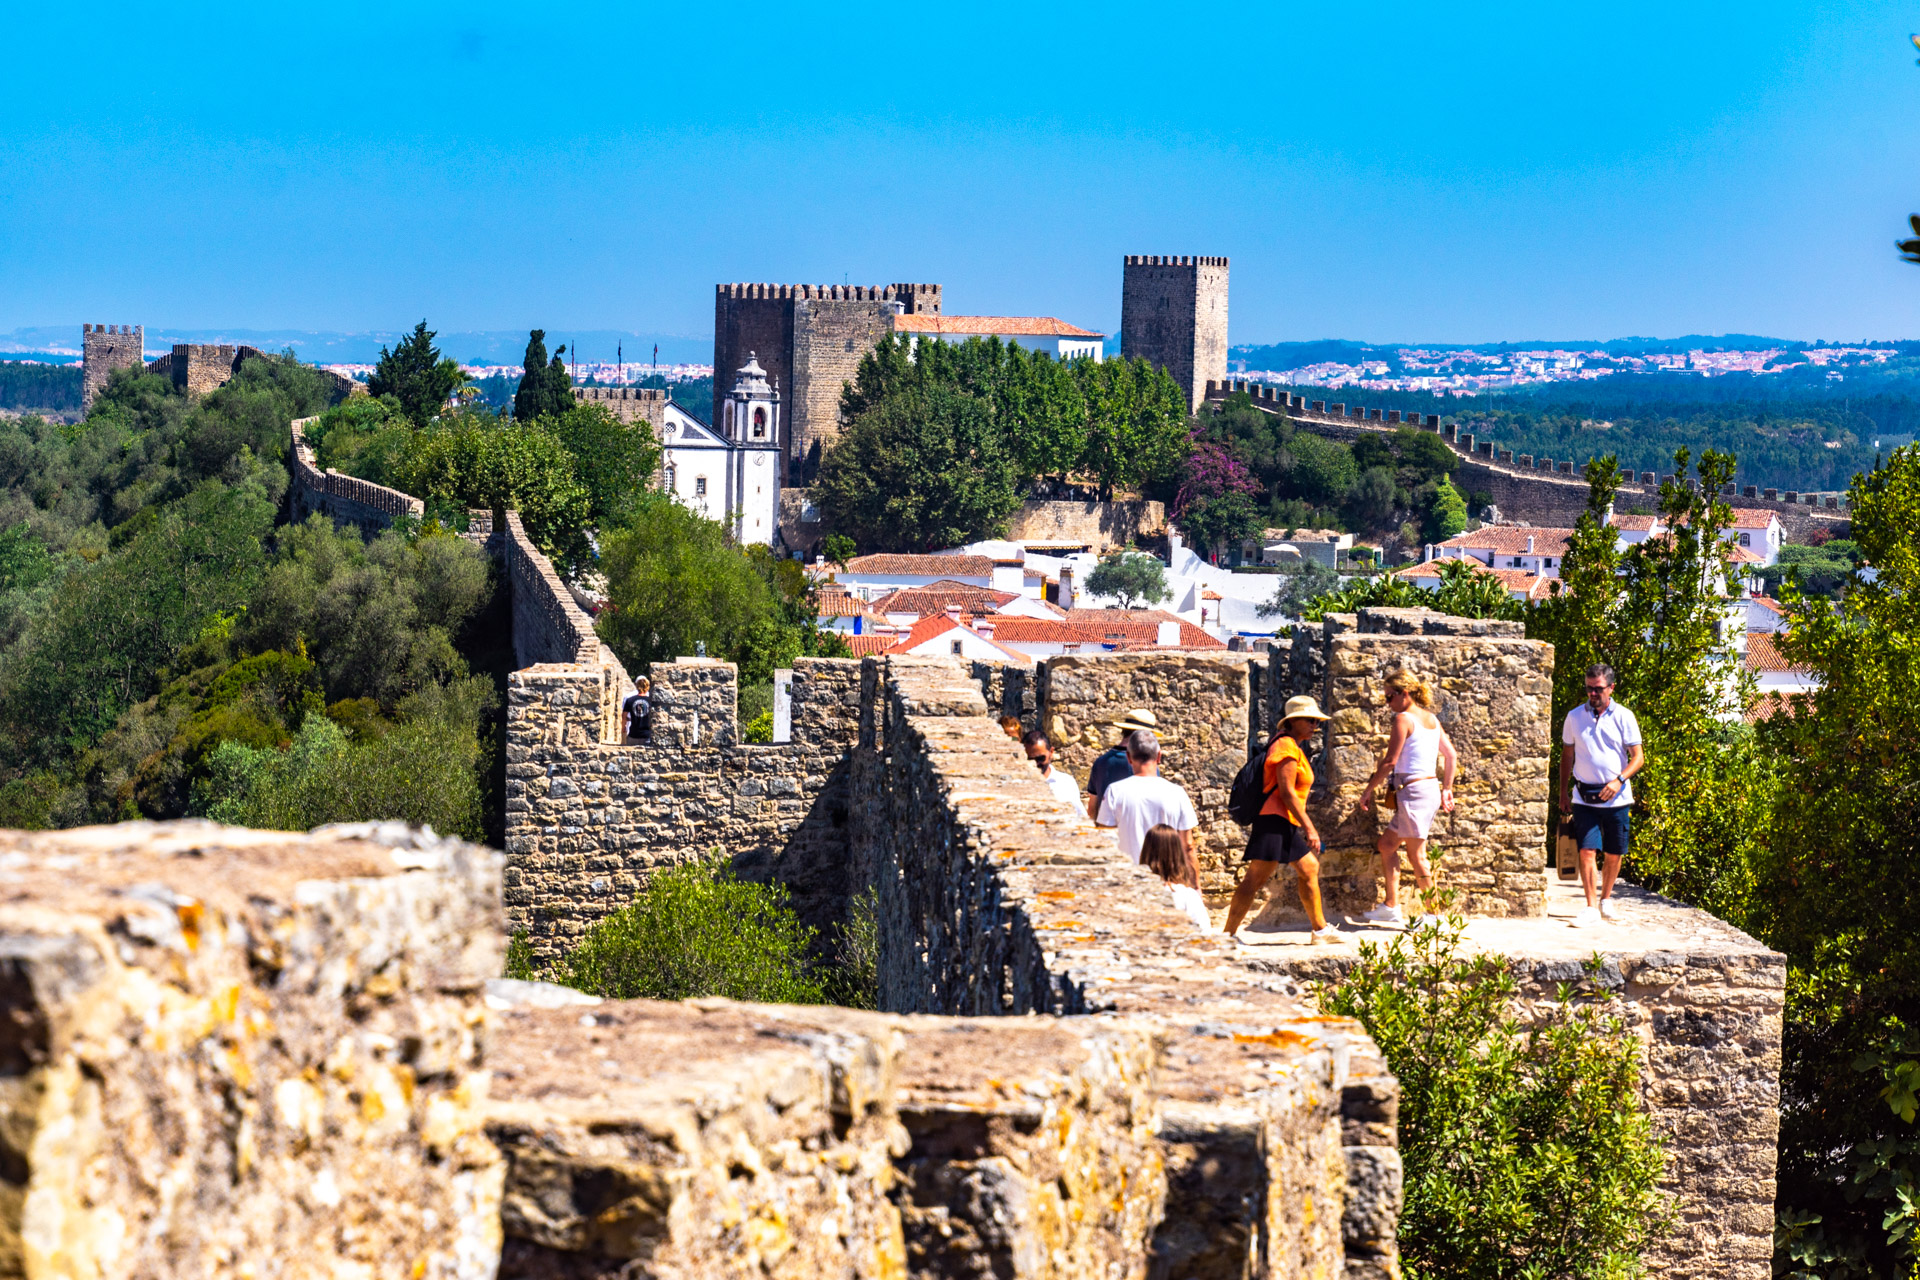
<point>1165,853</point>
<point>1420,755</point>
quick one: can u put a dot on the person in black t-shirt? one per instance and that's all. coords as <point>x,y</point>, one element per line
<point>1112,764</point>
<point>637,712</point>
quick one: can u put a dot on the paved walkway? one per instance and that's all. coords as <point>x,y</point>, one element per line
<point>1647,922</point>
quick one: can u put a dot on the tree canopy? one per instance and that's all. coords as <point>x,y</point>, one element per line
<point>416,375</point>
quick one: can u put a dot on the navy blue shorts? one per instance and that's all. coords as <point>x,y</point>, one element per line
<point>1602,829</point>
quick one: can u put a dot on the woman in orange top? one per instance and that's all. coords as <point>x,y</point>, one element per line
<point>1283,832</point>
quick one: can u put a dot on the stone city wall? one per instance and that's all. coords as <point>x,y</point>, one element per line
<point>1493,690</point>
<point>104,348</point>
<point>1705,1002</point>
<point>588,817</point>
<point>1202,699</point>
<point>1100,525</point>
<point>234,1045</point>
<point>996,899</point>
<point>1540,491</point>
<point>345,499</point>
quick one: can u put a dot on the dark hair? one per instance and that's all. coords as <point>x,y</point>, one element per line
<point>1036,738</point>
<point>1165,854</point>
<point>1601,671</point>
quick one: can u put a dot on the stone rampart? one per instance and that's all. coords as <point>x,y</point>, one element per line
<point>1539,491</point>
<point>1705,1002</point>
<point>1494,689</point>
<point>344,499</point>
<point>588,816</point>
<point>995,898</point>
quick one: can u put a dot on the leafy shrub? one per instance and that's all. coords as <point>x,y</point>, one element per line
<point>1526,1150</point>
<point>698,931</point>
<point>758,729</point>
<point>854,980</point>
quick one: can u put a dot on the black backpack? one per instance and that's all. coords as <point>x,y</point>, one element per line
<point>1249,794</point>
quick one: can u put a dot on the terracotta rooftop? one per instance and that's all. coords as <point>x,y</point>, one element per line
<point>1016,326</point>
<point>1763,654</point>
<point>1626,520</point>
<point>1768,705</point>
<point>839,604</point>
<point>1532,586</point>
<point>1511,540</point>
<point>1134,628</point>
<point>911,566</point>
<point>936,597</point>
<point>934,626</point>
<point>1748,518</point>
<point>868,645</point>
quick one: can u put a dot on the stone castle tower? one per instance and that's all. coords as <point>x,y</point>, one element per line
<point>809,339</point>
<point>1173,313</point>
<point>104,348</point>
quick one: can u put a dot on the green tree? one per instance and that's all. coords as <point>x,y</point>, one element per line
<point>473,461</point>
<point>1322,470</point>
<point>1131,577</point>
<point>1136,423</point>
<point>1526,1149</point>
<point>415,374</point>
<point>613,459</point>
<point>675,580</point>
<point>1446,513</point>
<point>839,548</point>
<point>1370,499</point>
<point>531,399</point>
<point>698,931</point>
<point>1295,592</point>
<point>923,468</point>
<point>1837,895</point>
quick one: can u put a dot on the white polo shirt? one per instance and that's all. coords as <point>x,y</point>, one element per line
<point>1064,788</point>
<point>1601,746</point>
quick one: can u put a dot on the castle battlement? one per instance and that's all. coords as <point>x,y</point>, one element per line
<point>811,292</point>
<point>1172,260</point>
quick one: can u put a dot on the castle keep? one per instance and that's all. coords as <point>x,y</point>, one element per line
<point>809,339</point>
<point>193,368</point>
<point>1173,313</point>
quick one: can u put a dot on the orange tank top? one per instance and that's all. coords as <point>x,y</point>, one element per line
<point>1287,749</point>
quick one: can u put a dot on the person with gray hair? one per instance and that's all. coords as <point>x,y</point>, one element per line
<point>1136,805</point>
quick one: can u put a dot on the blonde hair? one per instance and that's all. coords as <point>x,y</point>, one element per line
<point>1414,687</point>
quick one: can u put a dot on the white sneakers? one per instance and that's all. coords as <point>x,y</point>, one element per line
<point>1429,921</point>
<point>1384,915</point>
<point>1329,934</point>
<point>1606,909</point>
<point>1587,918</point>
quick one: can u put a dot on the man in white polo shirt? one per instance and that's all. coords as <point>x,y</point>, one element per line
<point>1138,804</point>
<point>1600,751</point>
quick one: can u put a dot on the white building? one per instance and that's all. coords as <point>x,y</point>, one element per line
<point>731,474</point>
<point>1057,338</point>
<point>1759,532</point>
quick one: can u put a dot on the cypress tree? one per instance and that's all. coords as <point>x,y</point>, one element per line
<point>530,397</point>
<point>559,397</point>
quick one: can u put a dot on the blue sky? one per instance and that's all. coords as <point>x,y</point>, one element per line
<point>1381,172</point>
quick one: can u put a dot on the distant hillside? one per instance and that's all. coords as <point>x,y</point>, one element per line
<point>486,346</point>
<point>39,386</point>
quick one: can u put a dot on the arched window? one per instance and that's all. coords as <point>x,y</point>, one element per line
<point>759,422</point>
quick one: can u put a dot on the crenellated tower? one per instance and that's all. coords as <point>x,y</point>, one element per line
<point>104,348</point>
<point>1173,313</point>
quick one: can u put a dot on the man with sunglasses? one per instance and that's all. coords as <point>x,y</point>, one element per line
<point>1040,751</point>
<point>1600,750</point>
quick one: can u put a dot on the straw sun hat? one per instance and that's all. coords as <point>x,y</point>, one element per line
<point>1139,718</point>
<point>1302,708</point>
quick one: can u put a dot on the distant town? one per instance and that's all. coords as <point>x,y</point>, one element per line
<point>1465,372</point>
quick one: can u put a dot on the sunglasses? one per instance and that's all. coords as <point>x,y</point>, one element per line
<point>1041,762</point>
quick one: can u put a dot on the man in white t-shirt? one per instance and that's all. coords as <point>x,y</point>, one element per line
<point>1134,806</point>
<point>1600,750</point>
<point>1040,751</point>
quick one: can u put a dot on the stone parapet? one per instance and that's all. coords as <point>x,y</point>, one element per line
<point>344,499</point>
<point>995,898</point>
<point>1704,1001</point>
<point>230,1046</point>
<point>1102,526</point>
<point>589,816</point>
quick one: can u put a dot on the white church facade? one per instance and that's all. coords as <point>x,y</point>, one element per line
<point>730,471</point>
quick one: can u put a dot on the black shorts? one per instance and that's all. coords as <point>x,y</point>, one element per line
<point>1275,839</point>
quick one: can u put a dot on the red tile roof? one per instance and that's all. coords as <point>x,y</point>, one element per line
<point>1624,520</point>
<point>1532,586</point>
<point>1763,654</point>
<point>1748,518</point>
<point>910,566</point>
<point>1137,628</point>
<point>839,604</point>
<point>1768,705</point>
<point>937,596</point>
<point>866,646</point>
<point>1018,326</point>
<point>1511,540</point>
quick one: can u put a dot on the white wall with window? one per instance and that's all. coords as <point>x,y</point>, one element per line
<point>737,483</point>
